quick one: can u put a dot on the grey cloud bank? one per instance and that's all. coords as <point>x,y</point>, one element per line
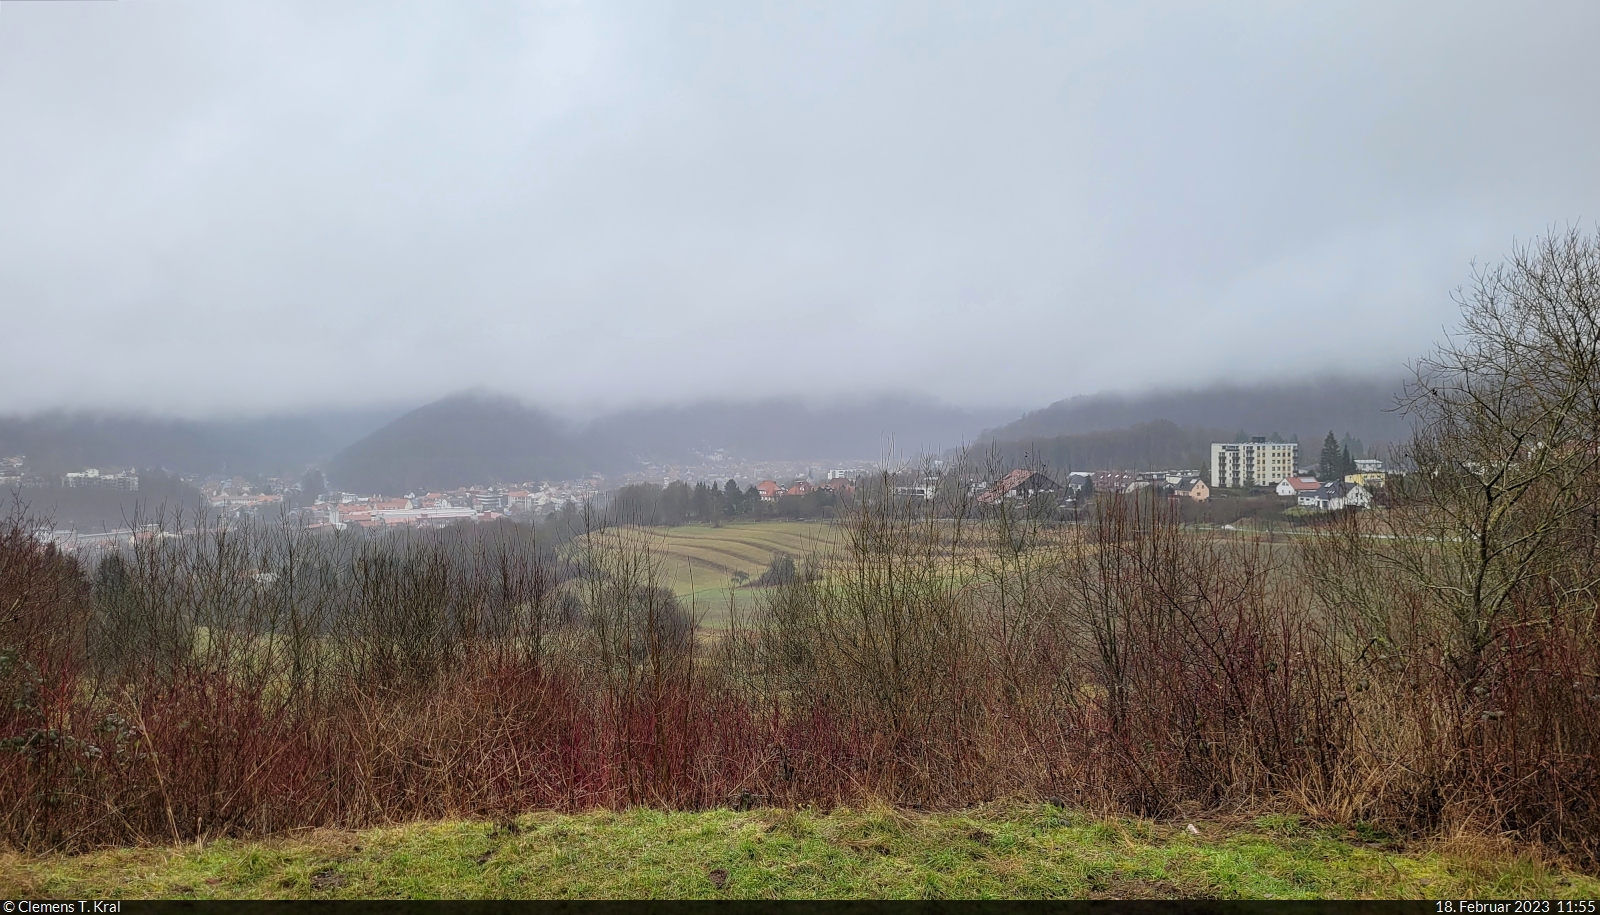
<point>235,208</point>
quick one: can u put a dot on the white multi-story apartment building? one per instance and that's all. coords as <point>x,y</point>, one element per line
<point>94,478</point>
<point>1258,462</point>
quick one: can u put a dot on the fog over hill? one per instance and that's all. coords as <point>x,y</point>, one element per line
<point>789,428</point>
<point>482,437</point>
<point>59,441</point>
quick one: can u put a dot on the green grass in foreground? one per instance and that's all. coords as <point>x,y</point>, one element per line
<point>875,853</point>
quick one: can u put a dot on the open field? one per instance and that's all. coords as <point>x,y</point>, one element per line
<point>698,561</point>
<point>1020,851</point>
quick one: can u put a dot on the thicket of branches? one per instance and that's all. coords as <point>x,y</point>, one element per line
<point>1478,586</point>
<point>1429,666</point>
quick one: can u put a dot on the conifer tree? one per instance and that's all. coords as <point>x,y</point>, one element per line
<point>1331,461</point>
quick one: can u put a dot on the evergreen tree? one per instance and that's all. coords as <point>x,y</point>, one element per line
<point>1347,464</point>
<point>1331,461</point>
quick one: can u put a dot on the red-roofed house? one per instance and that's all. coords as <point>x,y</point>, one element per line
<point>1019,484</point>
<point>1112,480</point>
<point>769,490</point>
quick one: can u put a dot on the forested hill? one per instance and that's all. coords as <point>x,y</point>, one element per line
<point>462,440</point>
<point>1159,445</point>
<point>1307,409</point>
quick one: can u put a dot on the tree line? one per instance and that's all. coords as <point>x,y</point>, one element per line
<point>678,502</point>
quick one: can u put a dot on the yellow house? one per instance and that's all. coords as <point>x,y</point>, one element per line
<point>1365,480</point>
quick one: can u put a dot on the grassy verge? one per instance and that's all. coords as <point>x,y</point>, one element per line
<point>1000,852</point>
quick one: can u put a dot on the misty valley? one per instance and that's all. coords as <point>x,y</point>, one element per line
<point>606,450</point>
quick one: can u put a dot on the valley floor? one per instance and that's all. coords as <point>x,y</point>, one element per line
<point>1001,851</point>
<point>697,560</point>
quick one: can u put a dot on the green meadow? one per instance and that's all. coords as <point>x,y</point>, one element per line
<point>698,561</point>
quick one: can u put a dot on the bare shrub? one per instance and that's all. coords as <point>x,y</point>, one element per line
<point>1470,601</point>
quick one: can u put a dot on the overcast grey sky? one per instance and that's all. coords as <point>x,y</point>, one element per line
<point>236,207</point>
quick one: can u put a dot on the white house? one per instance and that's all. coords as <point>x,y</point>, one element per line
<point>1019,484</point>
<point>1336,495</point>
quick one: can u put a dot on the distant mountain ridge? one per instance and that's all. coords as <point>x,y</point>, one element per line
<point>480,437</point>
<point>488,438</point>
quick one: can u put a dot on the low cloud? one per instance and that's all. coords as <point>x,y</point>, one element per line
<point>241,208</point>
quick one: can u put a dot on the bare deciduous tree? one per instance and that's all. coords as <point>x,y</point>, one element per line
<point>1501,493</point>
